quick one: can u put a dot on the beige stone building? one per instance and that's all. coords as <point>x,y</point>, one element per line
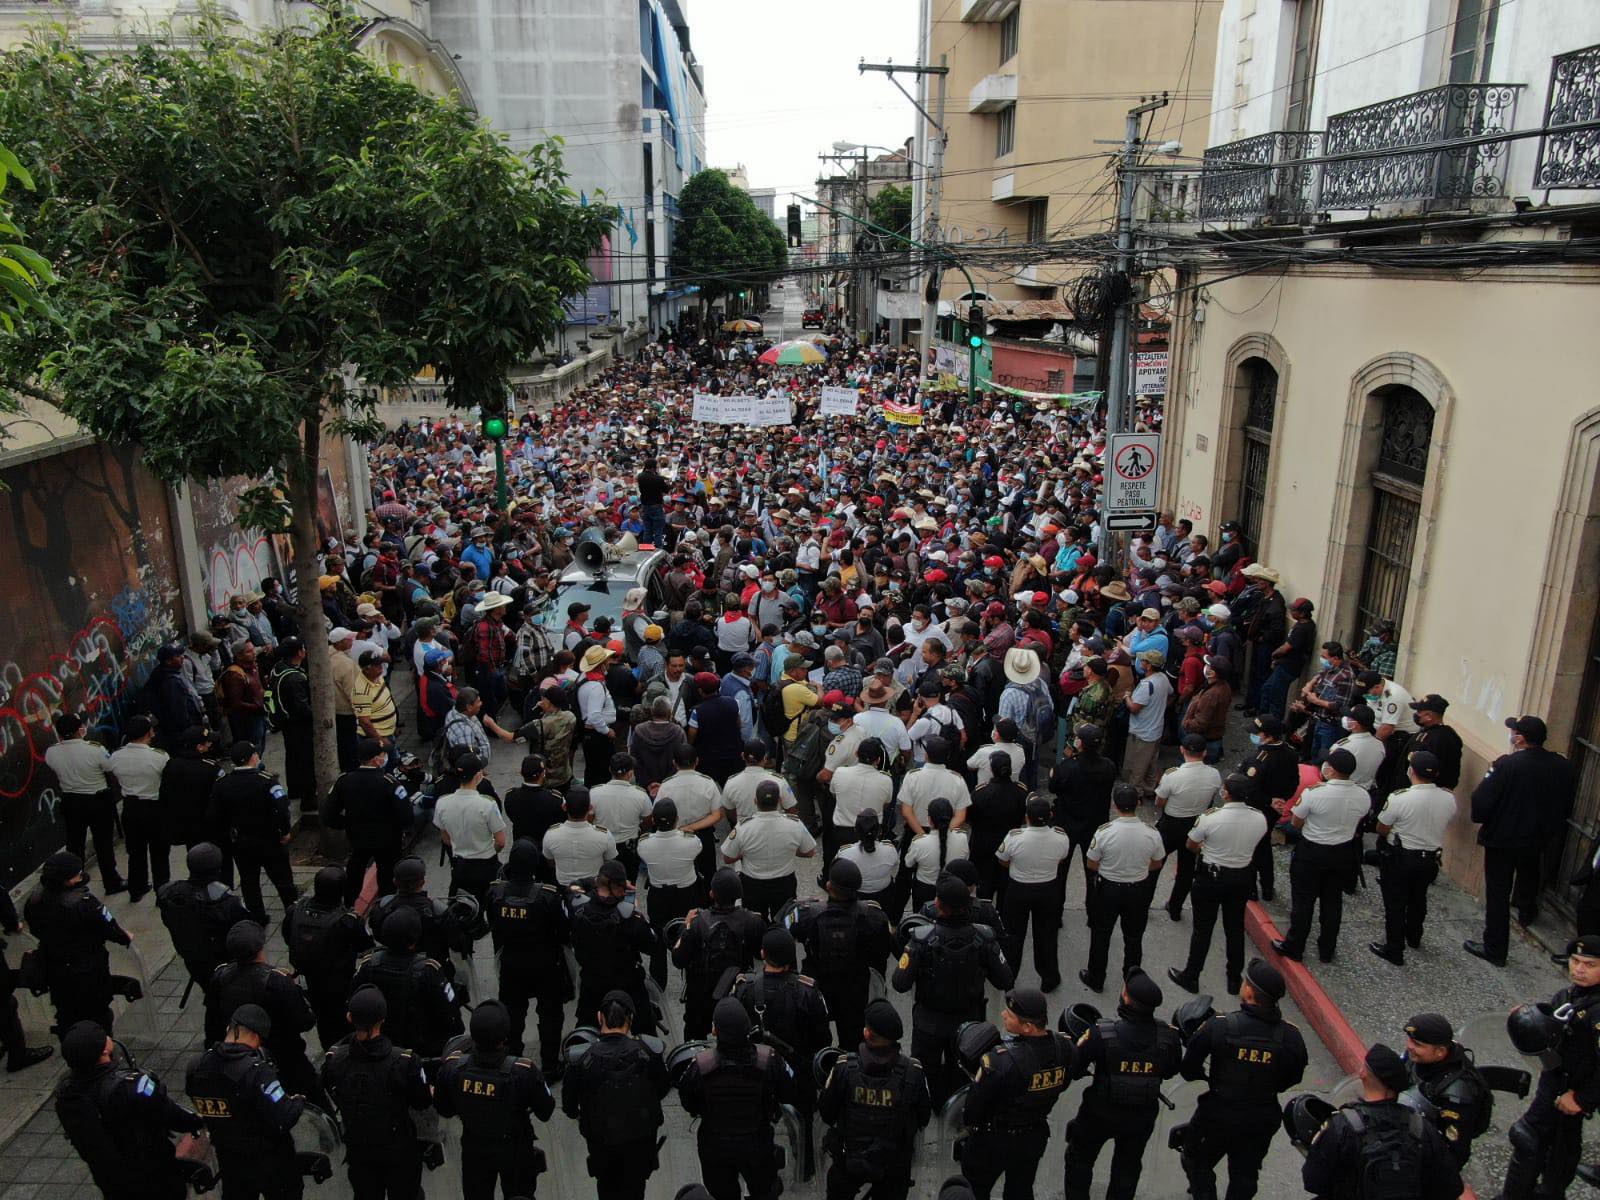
<point>1384,350</point>
<point>1032,84</point>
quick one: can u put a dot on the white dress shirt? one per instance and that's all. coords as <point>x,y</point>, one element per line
<point>739,793</point>
<point>577,849</point>
<point>79,766</point>
<point>1368,751</point>
<point>926,784</point>
<point>1228,836</point>
<point>1419,816</point>
<point>471,819</point>
<point>979,763</point>
<point>1189,789</point>
<point>1332,811</point>
<point>922,856</point>
<point>888,729</point>
<point>668,857</point>
<point>621,808</point>
<point>696,795</point>
<point>138,769</point>
<point>1033,853</point>
<point>764,846</point>
<point>878,865</point>
<point>857,789</point>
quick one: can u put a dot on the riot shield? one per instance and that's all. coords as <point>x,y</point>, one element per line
<point>431,1133</point>
<point>34,1010</point>
<point>791,1129</point>
<point>947,1127</point>
<point>198,1161</point>
<point>136,1017</point>
<point>666,1029</point>
<point>317,1143</point>
<point>1163,1172</point>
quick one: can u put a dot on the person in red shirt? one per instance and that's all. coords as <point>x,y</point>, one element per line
<point>1191,672</point>
<point>488,638</point>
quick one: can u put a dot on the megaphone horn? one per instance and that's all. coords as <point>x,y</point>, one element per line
<point>590,554</point>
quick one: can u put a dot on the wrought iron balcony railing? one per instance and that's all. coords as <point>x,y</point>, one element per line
<point>1571,160</point>
<point>1436,173</point>
<point>1259,177</point>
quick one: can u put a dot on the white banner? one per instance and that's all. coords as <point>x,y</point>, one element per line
<point>771,409</point>
<point>1150,373</point>
<point>839,401</point>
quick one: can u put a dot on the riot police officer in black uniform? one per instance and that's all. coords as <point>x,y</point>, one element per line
<point>198,912</point>
<point>1254,1055</point>
<point>788,1013</point>
<point>325,936</point>
<point>374,808</point>
<point>947,963</point>
<point>1007,1113</point>
<point>614,1091</point>
<point>246,978</point>
<point>493,1091</point>
<point>874,1103</point>
<point>375,1085</point>
<point>19,1055</point>
<point>984,911</point>
<point>253,808</point>
<point>411,891</point>
<point>424,1011</point>
<point>529,924</point>
<point>248,1111</point>
<point>1274,767</point>
<point>1376,1148</point>
<point>73,927</point>
<point>118,1120</point>
<point>1547,1139</point>
<point>1443,1071</point>
<point>737,1090</point>
<point>185,796</point>
<point>717,944</point>
<point>1130,1056</point>
<point>608,936</point>
<point>844,939</point>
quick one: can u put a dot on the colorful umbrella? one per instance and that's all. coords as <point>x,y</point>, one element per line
<point>741,325</point>
<point>794,354</point>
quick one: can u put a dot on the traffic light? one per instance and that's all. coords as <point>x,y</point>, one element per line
<point>493,416</point>
<point>975,327</point>
<point>796,234</point>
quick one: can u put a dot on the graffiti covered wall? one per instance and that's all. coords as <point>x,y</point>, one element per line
<point>232,559</point>
<point>89,591</point>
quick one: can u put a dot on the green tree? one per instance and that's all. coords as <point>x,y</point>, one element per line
<point>724,244</point>
<point>891,209</point>
<point>22,271</point>
<point>244,227</point>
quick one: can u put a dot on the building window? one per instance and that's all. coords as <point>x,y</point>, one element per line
<point>1038,220</point>
<point>1008,36</point>
<point>1005,131</point>
<point>1261,410</point>
<point>1397,480</point>
<point>1302,64</point>
<point>1472,40</point>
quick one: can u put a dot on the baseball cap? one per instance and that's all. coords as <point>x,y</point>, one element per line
<point>1432,702</point>
<point>1342,761</point>
<point>1425,763</point>
<point>1530,727</point>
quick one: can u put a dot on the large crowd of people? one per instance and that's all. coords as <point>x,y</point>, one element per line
<point>900,646</point>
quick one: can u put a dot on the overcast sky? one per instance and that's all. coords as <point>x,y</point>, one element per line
<point>782,84</point>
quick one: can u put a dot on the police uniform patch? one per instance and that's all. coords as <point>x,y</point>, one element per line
<point>449,993</point>
<point>145,1086</point>
<point>400,793</point>
<point>1251,771</point>
<point>905,961</point>
<point>273,1091</point>
<point>278,791</point>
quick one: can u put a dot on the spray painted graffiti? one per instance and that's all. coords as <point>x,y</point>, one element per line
<point>88,596</point>
<point>239,566</point>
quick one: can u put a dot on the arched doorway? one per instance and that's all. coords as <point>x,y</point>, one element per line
<point>1259,380</point>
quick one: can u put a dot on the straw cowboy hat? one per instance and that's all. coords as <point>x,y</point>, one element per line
<point>594,658</point>
<point>1022,665</point>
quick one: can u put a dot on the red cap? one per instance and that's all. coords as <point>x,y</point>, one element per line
<point>935,576</point>
<point>995,609</point>
<point>835,698</point>
<point>1217,587</point>
<point>994,561</point>
<point>1041,597</point>
<point>705,680</point>
<point>1085,561</point>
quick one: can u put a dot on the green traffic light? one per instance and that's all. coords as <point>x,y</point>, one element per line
<point>975,342</point>
<point>494,427</point>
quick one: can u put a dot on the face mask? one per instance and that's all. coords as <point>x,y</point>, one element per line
<point>1327,664</point>
<point>1349,723</point>
<point>1166,602</point>
<point>1255,739</point>
<point>1326,774</point>
<point>1372,701</point>
<point>1227,537</point>
<point>1139,668</point>
<point>919,626</point>
<point>769,586</point>
<point>833,727</point>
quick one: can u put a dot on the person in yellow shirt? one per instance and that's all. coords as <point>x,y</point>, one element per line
<point>798,694</point>
<point>374,702</point>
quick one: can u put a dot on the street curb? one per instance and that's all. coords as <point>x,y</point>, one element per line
<point>1321,1013</point>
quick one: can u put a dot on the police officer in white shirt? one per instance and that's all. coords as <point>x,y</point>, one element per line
<point>1185,791</point>
<point>763,847</point>
<point>928,783</point>
<point>932,719</point>
<point>699,802</point>
<point>473,828</point>
<point>1414,821</point>
<point>1394,724</point>
<point>876,859</point>
<point>739,792</point>
<point>668,855</point>
<point>577,847</point>
<point>929,852</point>
<point>1225,839</point>
<point>1121,858</point>
<point>87,807</point>
<point>623,808</point>
<point>1359,740</point>
<point>1005,742</point>
<point>859,788</point>
<point>138,766</point>
<point>1032,856</point>
<point>875,720</point>
<point>1328,818</point>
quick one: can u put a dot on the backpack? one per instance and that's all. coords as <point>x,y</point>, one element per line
<point>274,705</point>
<point>722,948</point>
<point>772,711</point>
<point>803,757</point>
<point>947,729</point>
<point>834,951</point>
<point>310,943</point>
<point>1391,1153</point>
<point>954,975</point>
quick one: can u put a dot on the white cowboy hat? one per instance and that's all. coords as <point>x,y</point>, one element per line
<point>493,601</point>
<point>1022,665</point>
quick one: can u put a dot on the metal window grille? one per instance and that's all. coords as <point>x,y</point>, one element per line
<point>1397,480</point>
<point>1261,407</point>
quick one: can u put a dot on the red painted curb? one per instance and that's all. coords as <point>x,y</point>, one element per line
<point>1323,1015</point>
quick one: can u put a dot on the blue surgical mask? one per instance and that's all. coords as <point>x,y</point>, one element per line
<point>1327,664</point>
<point>1255,739</point>
<point>1227,537</point>
<point>833,727</point>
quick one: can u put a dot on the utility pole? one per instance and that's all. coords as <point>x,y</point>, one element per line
<point>1118,409</point>
<point>935,185</point>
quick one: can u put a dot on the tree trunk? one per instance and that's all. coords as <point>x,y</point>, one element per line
<point>302,489</point>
